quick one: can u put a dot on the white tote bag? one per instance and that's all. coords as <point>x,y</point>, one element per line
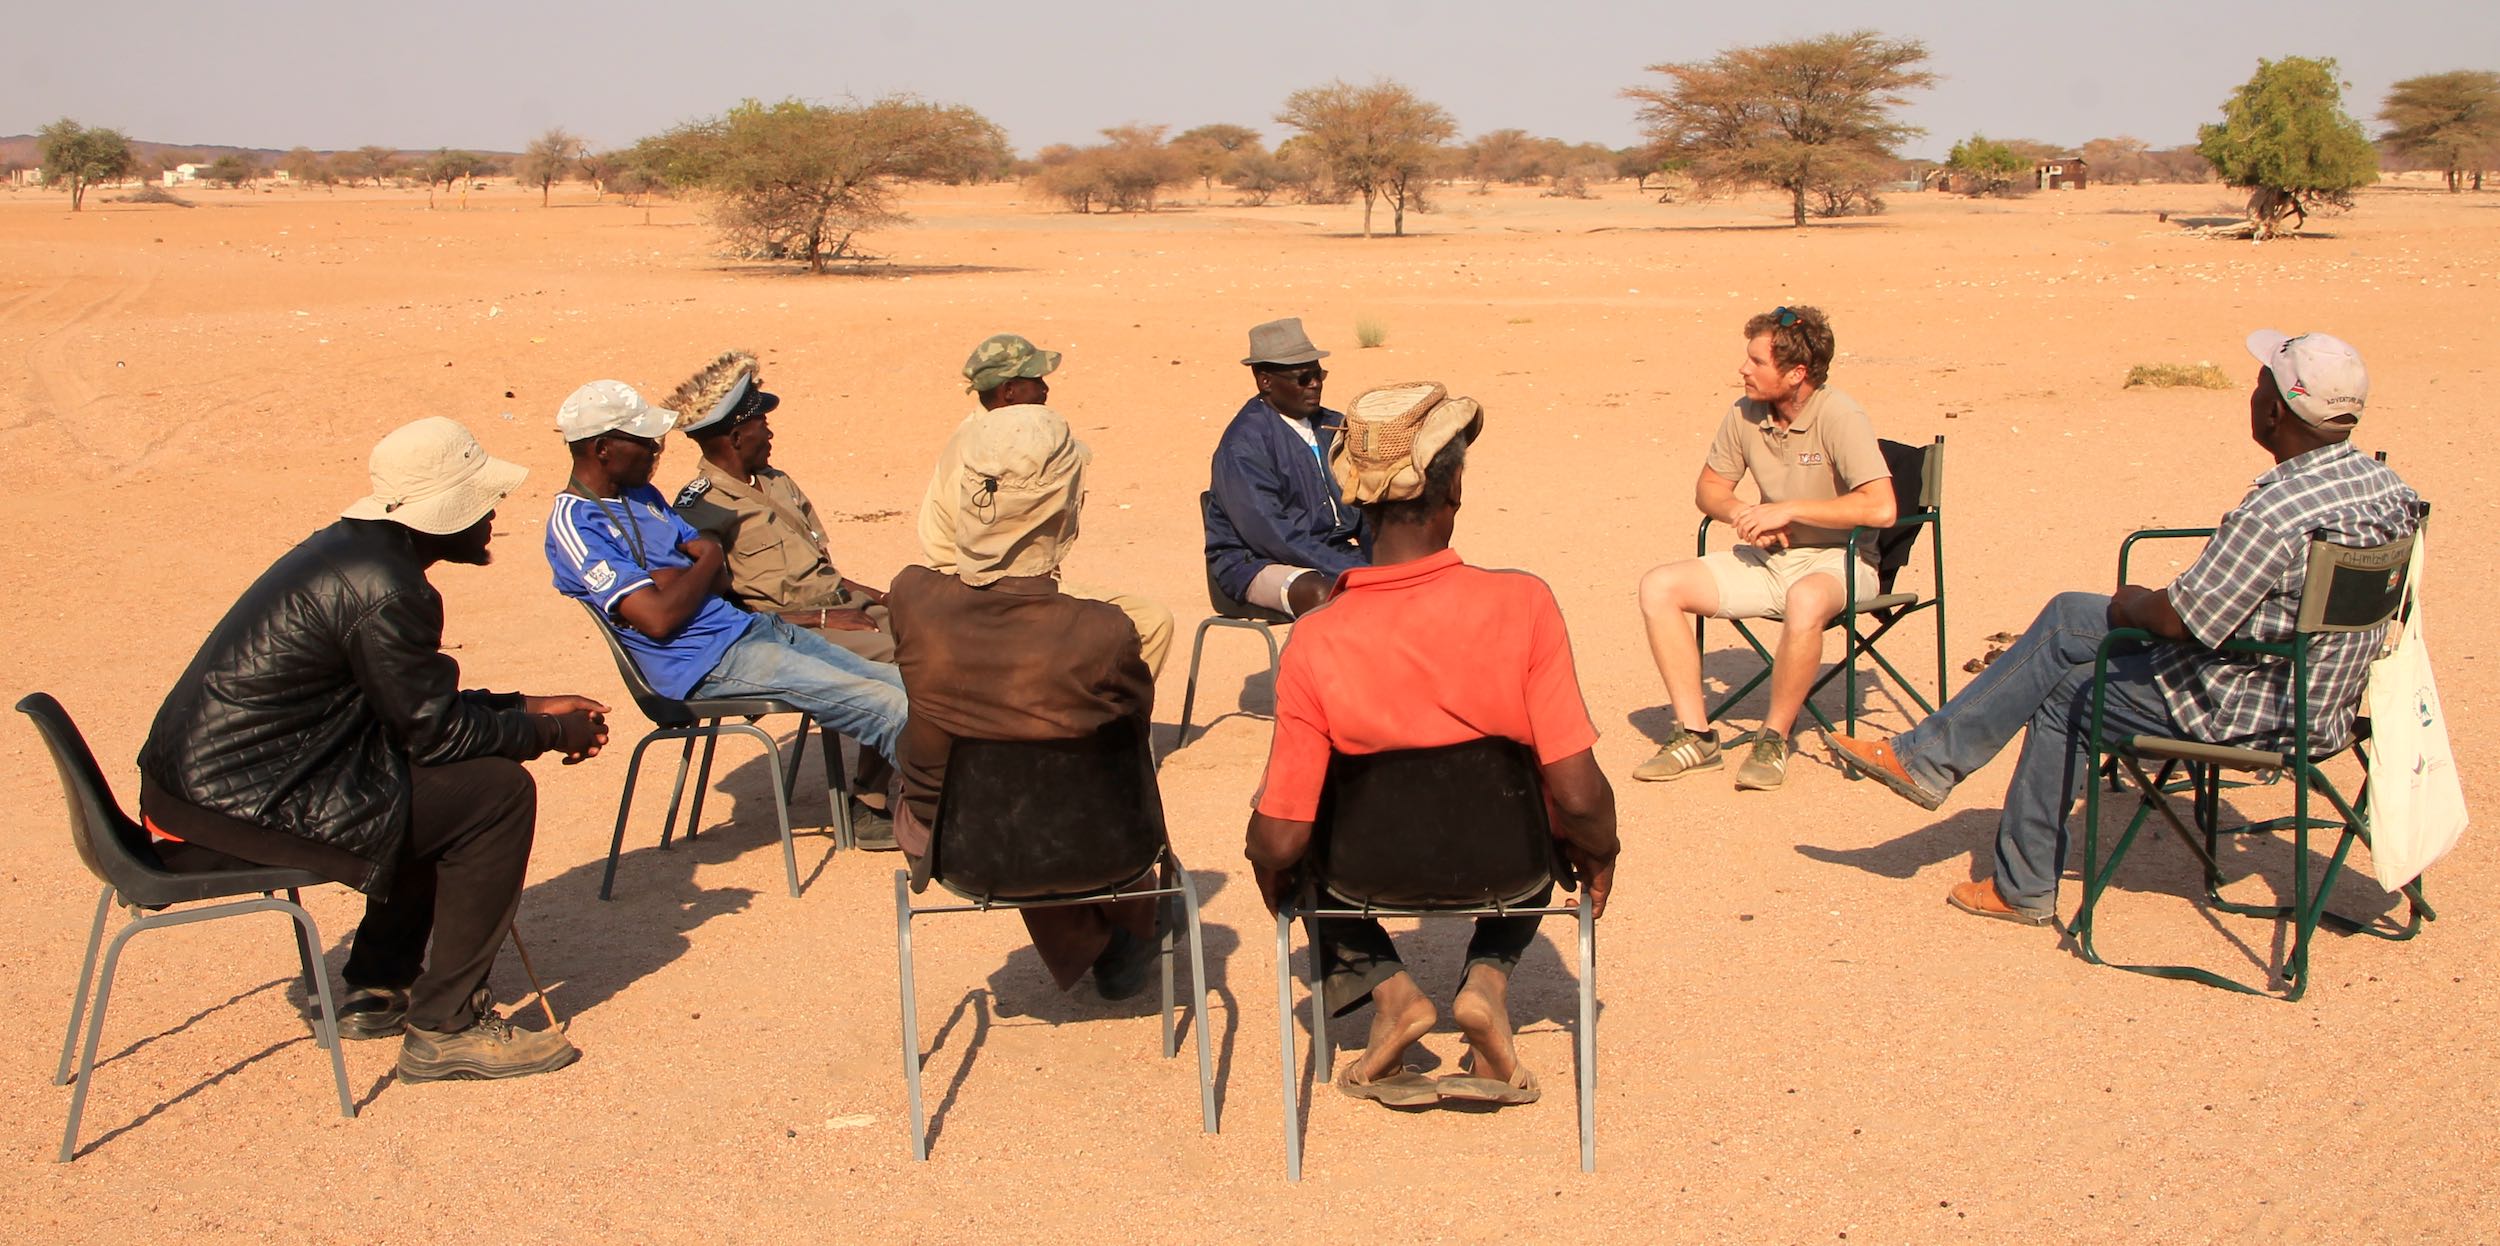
<point>2417,806</point>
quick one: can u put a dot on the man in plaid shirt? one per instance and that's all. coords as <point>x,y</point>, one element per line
<point>2246,585</point>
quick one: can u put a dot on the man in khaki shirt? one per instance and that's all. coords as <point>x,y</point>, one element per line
<point>778,563</point>
<point>1813,458</point>
<point>1006,371</point>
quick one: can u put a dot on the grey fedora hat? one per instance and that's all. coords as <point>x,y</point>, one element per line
<point>1283,342</point>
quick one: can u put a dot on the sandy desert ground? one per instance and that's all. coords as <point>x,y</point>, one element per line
<point>1800,1042</point>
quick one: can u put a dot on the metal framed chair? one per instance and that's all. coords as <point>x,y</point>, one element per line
<point>1229,613</point>
<point>2347,590</point>
<point>705,720</point>
<point>1918,491</point>
<point>115,849</point>
<point>1456,831</point>
<point>1049,823</point>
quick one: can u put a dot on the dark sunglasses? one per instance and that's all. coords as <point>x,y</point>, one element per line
<point>1304,377</point>
<point>631,440</point>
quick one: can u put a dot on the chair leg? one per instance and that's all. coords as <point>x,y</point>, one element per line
<point>677,792</point>
<point>95,1033</point>
<point>1198,997</point>
<point>1189,691</point>
<point>1588,1038</point>
<point>1163,878</point>
<point>703,778</point>
<point>625,808</point>
<point>1292,1075</point>
<point>1323,1055</point>
<point>326,1025</point>
<point>781,801</point>
<point>307,954</point>
<point>911,1012</point>
<point>86,978</point>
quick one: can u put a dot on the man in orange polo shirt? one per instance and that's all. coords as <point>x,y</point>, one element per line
<point>1421,650</point>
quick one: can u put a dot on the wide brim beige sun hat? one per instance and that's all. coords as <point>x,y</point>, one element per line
<point>433,476</point>
<point>1392,432</point>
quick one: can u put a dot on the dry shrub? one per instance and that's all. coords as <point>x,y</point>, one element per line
<point>1370,331</point>
<point>2177,375</point>
<point>154,194</point>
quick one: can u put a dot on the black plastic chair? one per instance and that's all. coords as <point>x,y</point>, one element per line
<point>705,719</point>
<point>2347,590</point>
<point>1918,494</point>
<point>1231,613</point>
<point>1455,831</point>
<point>1048,823</point>
<point>115,849</point>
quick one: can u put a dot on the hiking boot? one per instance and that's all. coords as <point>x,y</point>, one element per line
<point>367,1012</point>
<point>1121,969</point>
<point>1766,767</point>
<point>872,829</point>
<point>490,1047</point>
<point>1682,754</point>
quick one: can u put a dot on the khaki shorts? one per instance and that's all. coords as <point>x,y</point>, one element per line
<point>1754,584</point>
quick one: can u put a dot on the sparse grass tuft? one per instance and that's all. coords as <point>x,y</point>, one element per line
<point>2175,375</point>
<point>154,194</point>
<point>1370,331</point>
<point>1522,320</point>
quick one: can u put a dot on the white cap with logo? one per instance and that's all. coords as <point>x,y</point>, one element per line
<point>611,407</point>
<point>2320,377</point>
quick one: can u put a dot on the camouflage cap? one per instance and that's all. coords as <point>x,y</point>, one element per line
<point>1004,357</point>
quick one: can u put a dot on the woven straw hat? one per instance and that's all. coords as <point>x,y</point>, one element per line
<point>1391,434</point>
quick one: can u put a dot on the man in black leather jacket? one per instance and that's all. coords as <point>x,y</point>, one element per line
<point>322,727</point>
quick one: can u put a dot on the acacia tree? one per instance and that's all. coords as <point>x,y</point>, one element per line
<point>373,162</point>
<point>78,157</point>
<point>2448,121</point>
<point>1789,115</point>
<point>1987,166</point>
<point>1378,141</point>
<point>1211,151</point>
<point>801,180</point>
<point>547,160</point>
<point>2286,139</point>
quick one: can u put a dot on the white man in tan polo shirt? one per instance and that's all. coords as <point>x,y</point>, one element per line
<point>1812,455</point>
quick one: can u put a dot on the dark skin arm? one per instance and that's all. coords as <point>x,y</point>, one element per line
<point>1583,806</point>
<point>2134,605</point>
<point>676,592</point>
<point>576,726</point>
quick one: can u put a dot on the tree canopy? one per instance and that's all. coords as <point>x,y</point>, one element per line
<point>549,159</point>
<point>2285,137</point>
<point>1377,141</point>
<point>77,157</point>
<point>1987,166</point>
<point>2449,121</point>
<point>1810,117</point>
<point>801,181</point>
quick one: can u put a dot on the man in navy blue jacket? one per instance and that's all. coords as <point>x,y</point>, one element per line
<point>1278,532</point>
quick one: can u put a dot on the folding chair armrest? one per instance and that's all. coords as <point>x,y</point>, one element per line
<point>2127,546</point>
<point>2130,637</point>
<point>1701,537</point>
<point>2271,649</point>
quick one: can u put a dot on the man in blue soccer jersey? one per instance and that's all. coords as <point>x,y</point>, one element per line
<point>614,542</point>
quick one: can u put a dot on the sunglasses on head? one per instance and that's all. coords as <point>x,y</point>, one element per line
<point>1785,316</point>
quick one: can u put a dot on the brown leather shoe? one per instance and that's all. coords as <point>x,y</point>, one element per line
<point>1874,759</point>
<point>1980,899</point>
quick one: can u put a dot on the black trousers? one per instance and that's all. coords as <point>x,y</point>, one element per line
<point>470,826</point>
<point>1356,954</point>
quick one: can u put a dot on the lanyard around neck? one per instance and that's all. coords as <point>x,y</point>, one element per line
<point>624,523</point>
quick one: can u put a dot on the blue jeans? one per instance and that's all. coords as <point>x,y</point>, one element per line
<point>857,697</point>
<point>2044,682</point>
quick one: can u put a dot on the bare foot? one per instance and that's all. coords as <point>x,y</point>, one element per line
<point>1482,1010</point>
<point>1401,1014</point>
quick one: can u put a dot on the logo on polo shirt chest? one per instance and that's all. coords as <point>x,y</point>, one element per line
<point>1809,458</point>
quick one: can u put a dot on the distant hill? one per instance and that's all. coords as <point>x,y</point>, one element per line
<point>25,149</point>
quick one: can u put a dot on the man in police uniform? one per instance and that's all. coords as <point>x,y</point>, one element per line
<point>778,563</point>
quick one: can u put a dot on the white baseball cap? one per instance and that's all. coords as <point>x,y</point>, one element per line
<point>2321,377</point>
<point>611,407</point>
<point>434,477</point>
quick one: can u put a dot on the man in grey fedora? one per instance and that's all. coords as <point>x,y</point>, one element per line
<point>1278,530</point>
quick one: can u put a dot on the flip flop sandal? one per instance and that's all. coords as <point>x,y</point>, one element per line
<point>1405,1088</point>
<point>1466,1088</point>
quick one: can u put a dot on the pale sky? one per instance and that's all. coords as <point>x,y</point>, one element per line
<point>461,73</point>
